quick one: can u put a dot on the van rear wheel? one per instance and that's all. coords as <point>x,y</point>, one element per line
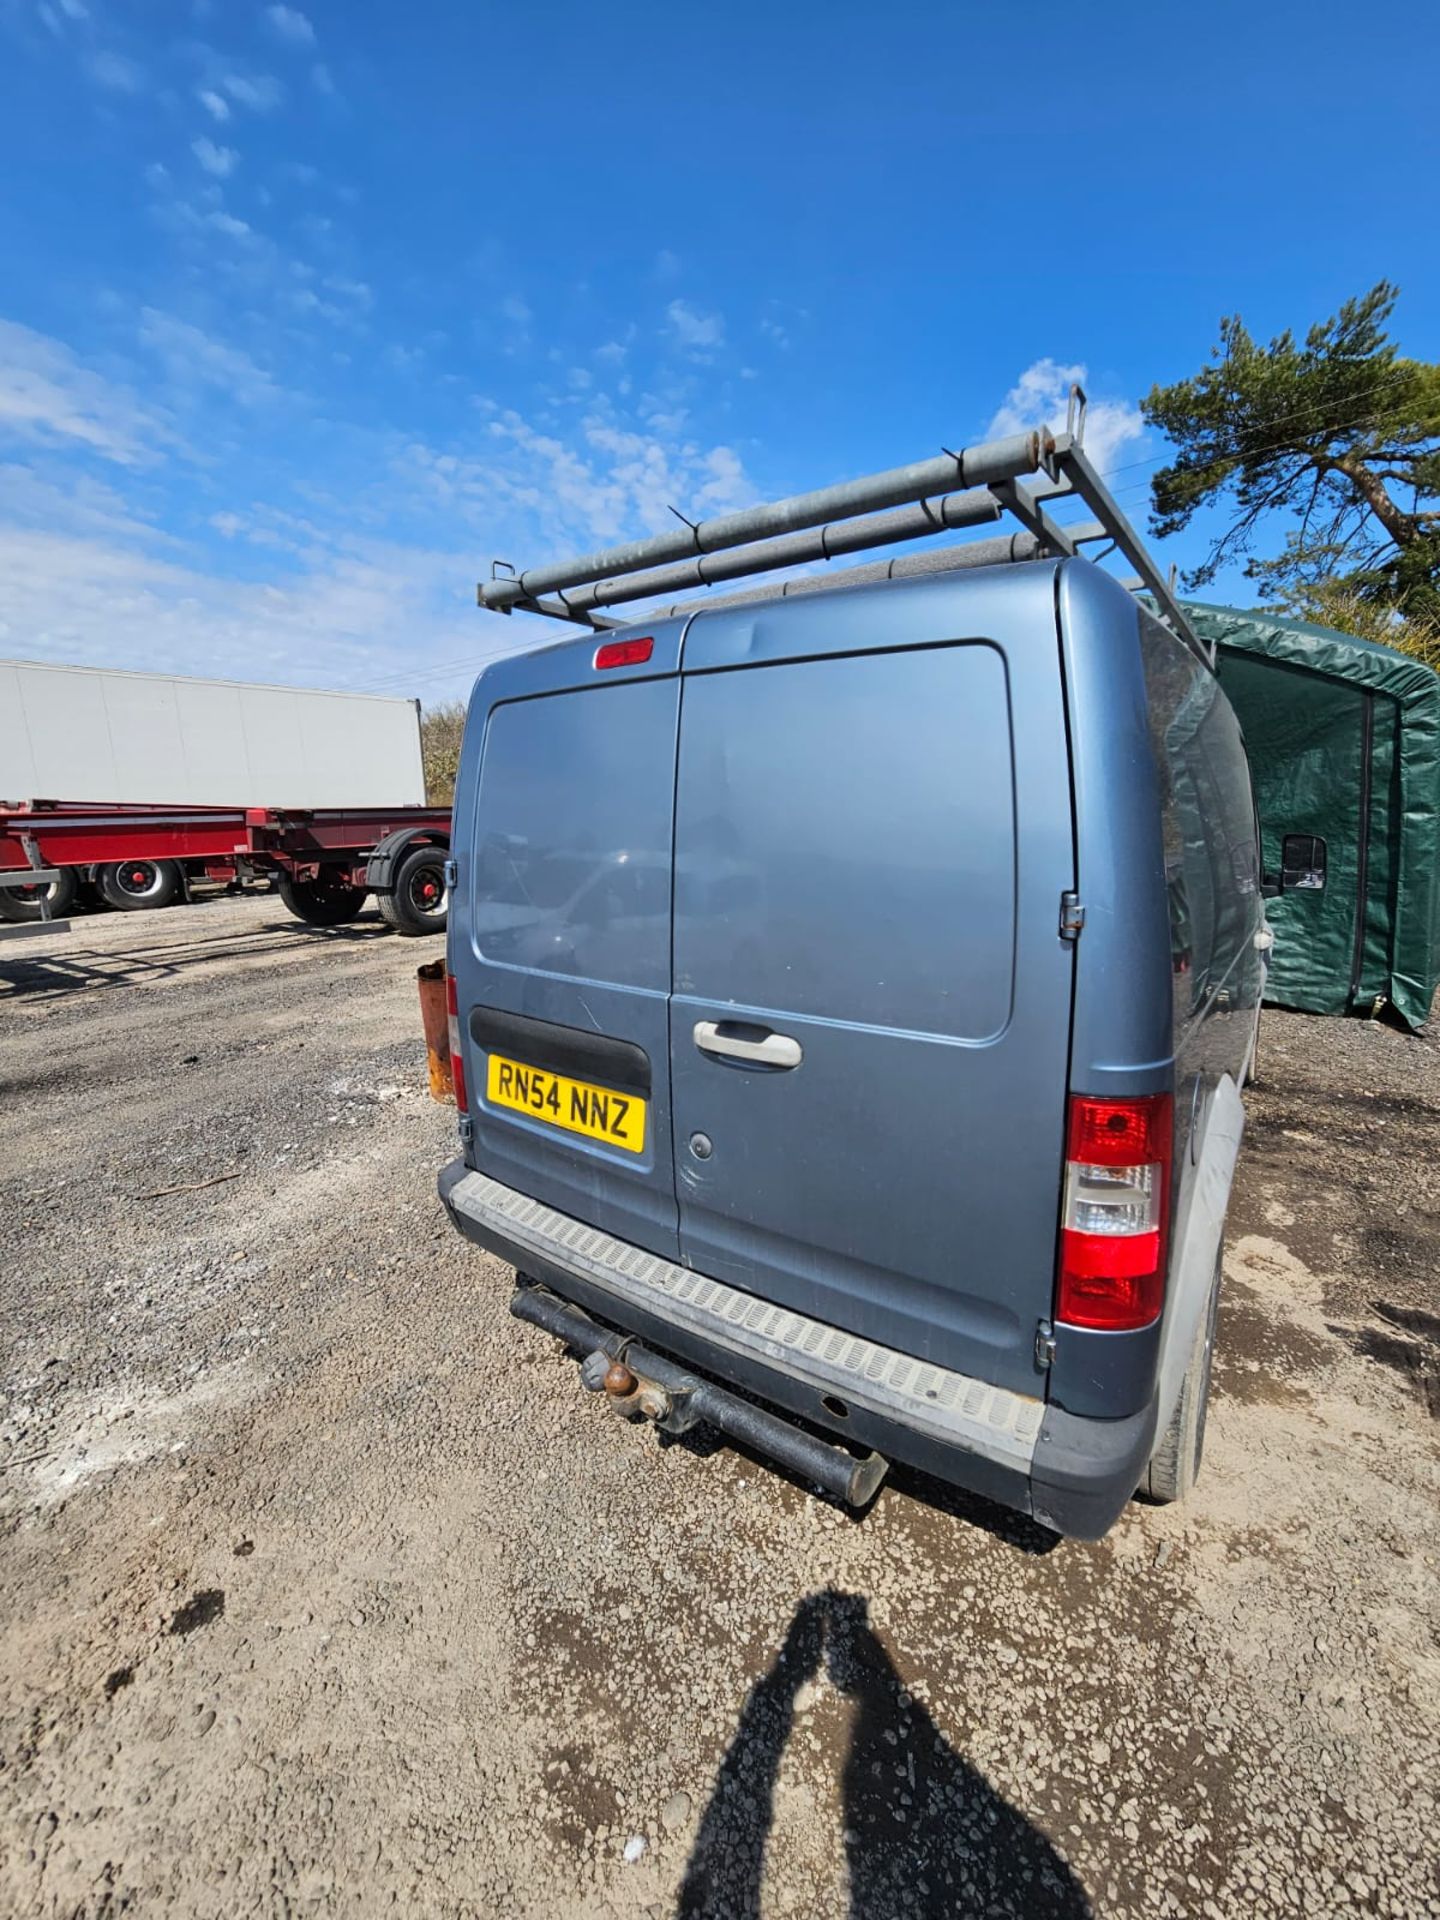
<point>1175,1464</point>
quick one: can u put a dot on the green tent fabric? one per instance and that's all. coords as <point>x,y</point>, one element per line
<point>1344,745</point>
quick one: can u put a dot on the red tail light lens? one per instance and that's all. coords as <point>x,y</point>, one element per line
<point>624,653</point>
<point>1114,1228</point>
<point>457,1065</point>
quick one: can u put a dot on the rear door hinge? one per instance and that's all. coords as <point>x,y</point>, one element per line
<point>1072,916</point>
<point>1044,1346</point>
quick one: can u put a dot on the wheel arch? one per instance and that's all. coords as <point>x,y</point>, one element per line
<point>1199,1229</point>
<point>384,861</point>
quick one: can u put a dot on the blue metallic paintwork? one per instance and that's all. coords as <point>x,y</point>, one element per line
<point>563,839</point>
<point>1137,701</point>
<point>1121,1038</point>
<point>865,1213</point>
<point>848,874</point>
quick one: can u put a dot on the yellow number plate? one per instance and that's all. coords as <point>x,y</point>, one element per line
<point>598,1112</point>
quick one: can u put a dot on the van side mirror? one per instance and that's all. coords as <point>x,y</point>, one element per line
<point>1302,863</point>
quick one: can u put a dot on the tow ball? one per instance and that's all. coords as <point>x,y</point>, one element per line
<point>630,1394</point>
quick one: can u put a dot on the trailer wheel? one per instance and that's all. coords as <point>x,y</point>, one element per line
<point>24,903</point>
<point>419,902</point>
<point>136,885</point>
<point>321,903</point>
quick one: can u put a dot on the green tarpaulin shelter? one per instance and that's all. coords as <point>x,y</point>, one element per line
<point>1344,745</point>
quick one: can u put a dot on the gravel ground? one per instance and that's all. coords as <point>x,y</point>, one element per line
<point>325,1591</point>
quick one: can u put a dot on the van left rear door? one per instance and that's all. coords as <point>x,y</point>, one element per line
<point>560,938</point>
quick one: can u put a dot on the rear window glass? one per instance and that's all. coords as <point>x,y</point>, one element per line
<point>845,840</point>
<point>570,866</point>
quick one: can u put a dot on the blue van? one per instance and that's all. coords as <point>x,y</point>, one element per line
<point>851,995</point>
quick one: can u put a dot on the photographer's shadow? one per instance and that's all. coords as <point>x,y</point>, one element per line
<point>925,1834</point>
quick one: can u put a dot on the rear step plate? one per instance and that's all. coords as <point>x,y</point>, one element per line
<point>950,1407</point>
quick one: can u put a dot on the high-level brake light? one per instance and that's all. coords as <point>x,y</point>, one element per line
<point>457,1065</point>
<point>625,653</point>
<point>1113,1231</point>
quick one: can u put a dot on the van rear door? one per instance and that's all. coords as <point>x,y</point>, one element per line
<point>871,1016</point>
<point>560,936</point>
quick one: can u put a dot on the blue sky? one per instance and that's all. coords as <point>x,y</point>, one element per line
<point>305,315</point>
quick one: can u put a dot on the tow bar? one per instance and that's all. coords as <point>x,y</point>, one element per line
<point>636,1381</point>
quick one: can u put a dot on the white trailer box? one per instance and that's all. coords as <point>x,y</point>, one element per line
<point>85,733</point>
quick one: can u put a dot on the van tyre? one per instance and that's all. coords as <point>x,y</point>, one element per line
<point>24,903</point>
<point>135,886</point>
<point>1175,1464</point>
<point>321,903</point>
<point>419,901</point>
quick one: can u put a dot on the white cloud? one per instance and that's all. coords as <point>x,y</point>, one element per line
<point>372,612</point>
<point>370,582</point>
<point>114,72</point>
<point>261,92</point>
<point>39,494</point>
<point>49,399</point>
<point>696,331</point>
<point>539,493</point>
<point>289,24</point>
<point>356,291</point>
<point>190,358</point>
<point>1040,397</point>
<point>221,161</point>
<point>215,104</point>
<point>323,79</point>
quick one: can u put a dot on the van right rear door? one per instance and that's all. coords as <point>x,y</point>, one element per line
<point>871,1009</point>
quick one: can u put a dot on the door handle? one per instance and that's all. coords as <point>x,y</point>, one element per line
<point>770,1050</point>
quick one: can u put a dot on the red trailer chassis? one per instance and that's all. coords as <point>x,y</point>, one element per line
<point>325,860</point>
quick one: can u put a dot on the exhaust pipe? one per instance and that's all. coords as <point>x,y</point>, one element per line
<point>635,1380</point>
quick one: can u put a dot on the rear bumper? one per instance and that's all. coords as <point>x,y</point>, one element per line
<point>1074,1475</point>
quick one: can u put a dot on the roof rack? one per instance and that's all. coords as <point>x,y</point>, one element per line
<point>975,487</point>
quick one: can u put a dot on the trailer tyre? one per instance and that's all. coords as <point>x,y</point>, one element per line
<point>137,885</point>
<point>419,901</point>
<point>1175,1464</point>
<point>321,903</point>
<point>23,903</point>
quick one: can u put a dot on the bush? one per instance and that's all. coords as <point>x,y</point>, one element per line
<point>441,729</point>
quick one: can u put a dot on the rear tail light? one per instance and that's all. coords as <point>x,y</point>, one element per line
<point>1114,1227</point>
<point>457,1065</point>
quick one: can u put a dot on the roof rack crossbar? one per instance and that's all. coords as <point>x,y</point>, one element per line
<point>951,512</point>
<point>997,551</point>
<point>898,486</point>
<point>903,503</point>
